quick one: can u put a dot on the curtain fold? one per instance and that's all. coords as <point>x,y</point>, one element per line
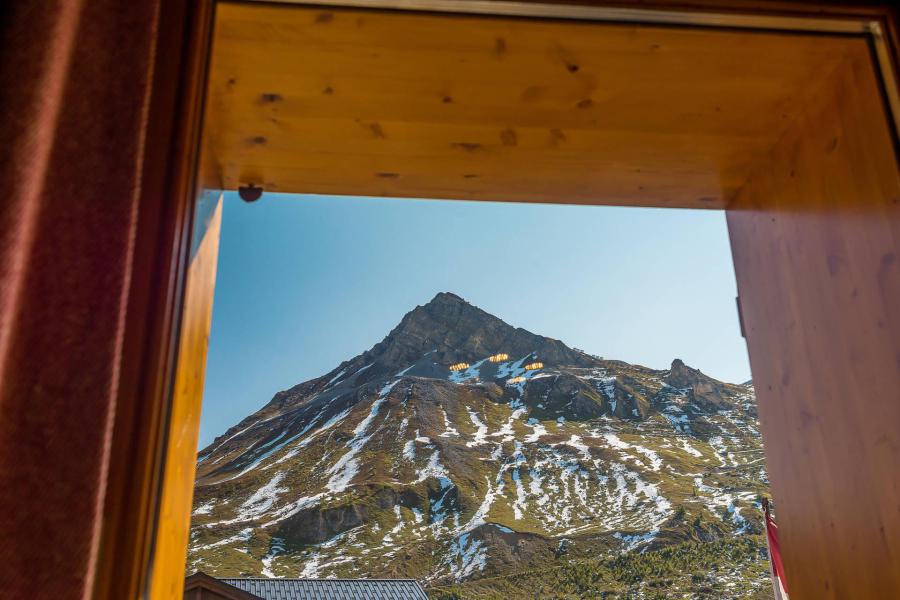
<point>75,81</point>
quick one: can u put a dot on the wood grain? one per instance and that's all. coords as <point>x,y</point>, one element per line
<point>816,240</point>
<point>437,106</point>
<point>169,552</point>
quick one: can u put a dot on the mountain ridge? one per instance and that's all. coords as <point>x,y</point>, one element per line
<point>449,355</point>
<point>476,448</point>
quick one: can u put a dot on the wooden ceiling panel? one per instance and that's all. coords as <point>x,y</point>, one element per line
<point>374,103</point>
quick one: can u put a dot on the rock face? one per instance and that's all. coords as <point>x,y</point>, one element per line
<point>316,525</point>
<point>456,331</point>
<point>705,391</point>
<point>393,464</point>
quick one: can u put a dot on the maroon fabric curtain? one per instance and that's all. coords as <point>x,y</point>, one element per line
<point>75,78</point>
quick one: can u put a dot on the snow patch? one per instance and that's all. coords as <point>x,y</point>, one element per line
<point>480,429</point>
<point>204,509</point>
<point>613,441</point>
<point>538,430</point>
<point>262,499</point>
<point>346,468</point>
<point>448,430</point>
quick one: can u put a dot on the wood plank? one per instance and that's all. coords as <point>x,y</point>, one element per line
<point>174,511</point>
<point>483,108</point>
<point>816,240</point>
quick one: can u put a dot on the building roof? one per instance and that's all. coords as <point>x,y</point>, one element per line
<point>202,581</point>
<point>331,589</point>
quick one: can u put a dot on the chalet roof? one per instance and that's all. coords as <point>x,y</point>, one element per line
<point>330,589</point>
<point>202,581</point>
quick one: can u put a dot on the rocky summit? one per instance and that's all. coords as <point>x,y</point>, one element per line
<point>487,461</point>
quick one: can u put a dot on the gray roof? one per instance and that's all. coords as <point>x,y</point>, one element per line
<point>331,589</point>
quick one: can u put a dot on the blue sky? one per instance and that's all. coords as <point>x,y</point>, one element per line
<point>305,282</point>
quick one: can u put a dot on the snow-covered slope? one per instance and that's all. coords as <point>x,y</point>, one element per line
<point>528,453</point>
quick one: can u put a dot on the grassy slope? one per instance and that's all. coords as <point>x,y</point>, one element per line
<point>733,567</point>
<point>687,567</point>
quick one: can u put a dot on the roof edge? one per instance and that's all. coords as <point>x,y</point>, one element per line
<point>201,580</point>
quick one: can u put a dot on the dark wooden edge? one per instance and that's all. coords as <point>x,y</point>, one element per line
<point>783,8</point>
<point>161,252</point>
<point>167,197</point>
<point>889,22</point>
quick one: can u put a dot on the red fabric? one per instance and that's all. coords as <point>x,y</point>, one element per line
<point>74,83</point>
<point>775,550</point>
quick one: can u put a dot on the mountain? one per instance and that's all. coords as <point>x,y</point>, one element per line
<point>485,460</point>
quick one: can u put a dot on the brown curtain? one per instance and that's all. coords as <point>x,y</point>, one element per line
<point>75,77</point>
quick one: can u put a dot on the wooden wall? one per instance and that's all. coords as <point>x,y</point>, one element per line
<point>815,235</point>
<point>378,103</point>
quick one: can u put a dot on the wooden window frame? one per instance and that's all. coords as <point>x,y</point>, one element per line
<point>128,564</point>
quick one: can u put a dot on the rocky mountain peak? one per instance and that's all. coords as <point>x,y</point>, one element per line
<point>682,376</point>
<point>446,312</point>
<point>445,331</point>
<point>454,330</point>
<point>447,299</point>
<point>705,391</point>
